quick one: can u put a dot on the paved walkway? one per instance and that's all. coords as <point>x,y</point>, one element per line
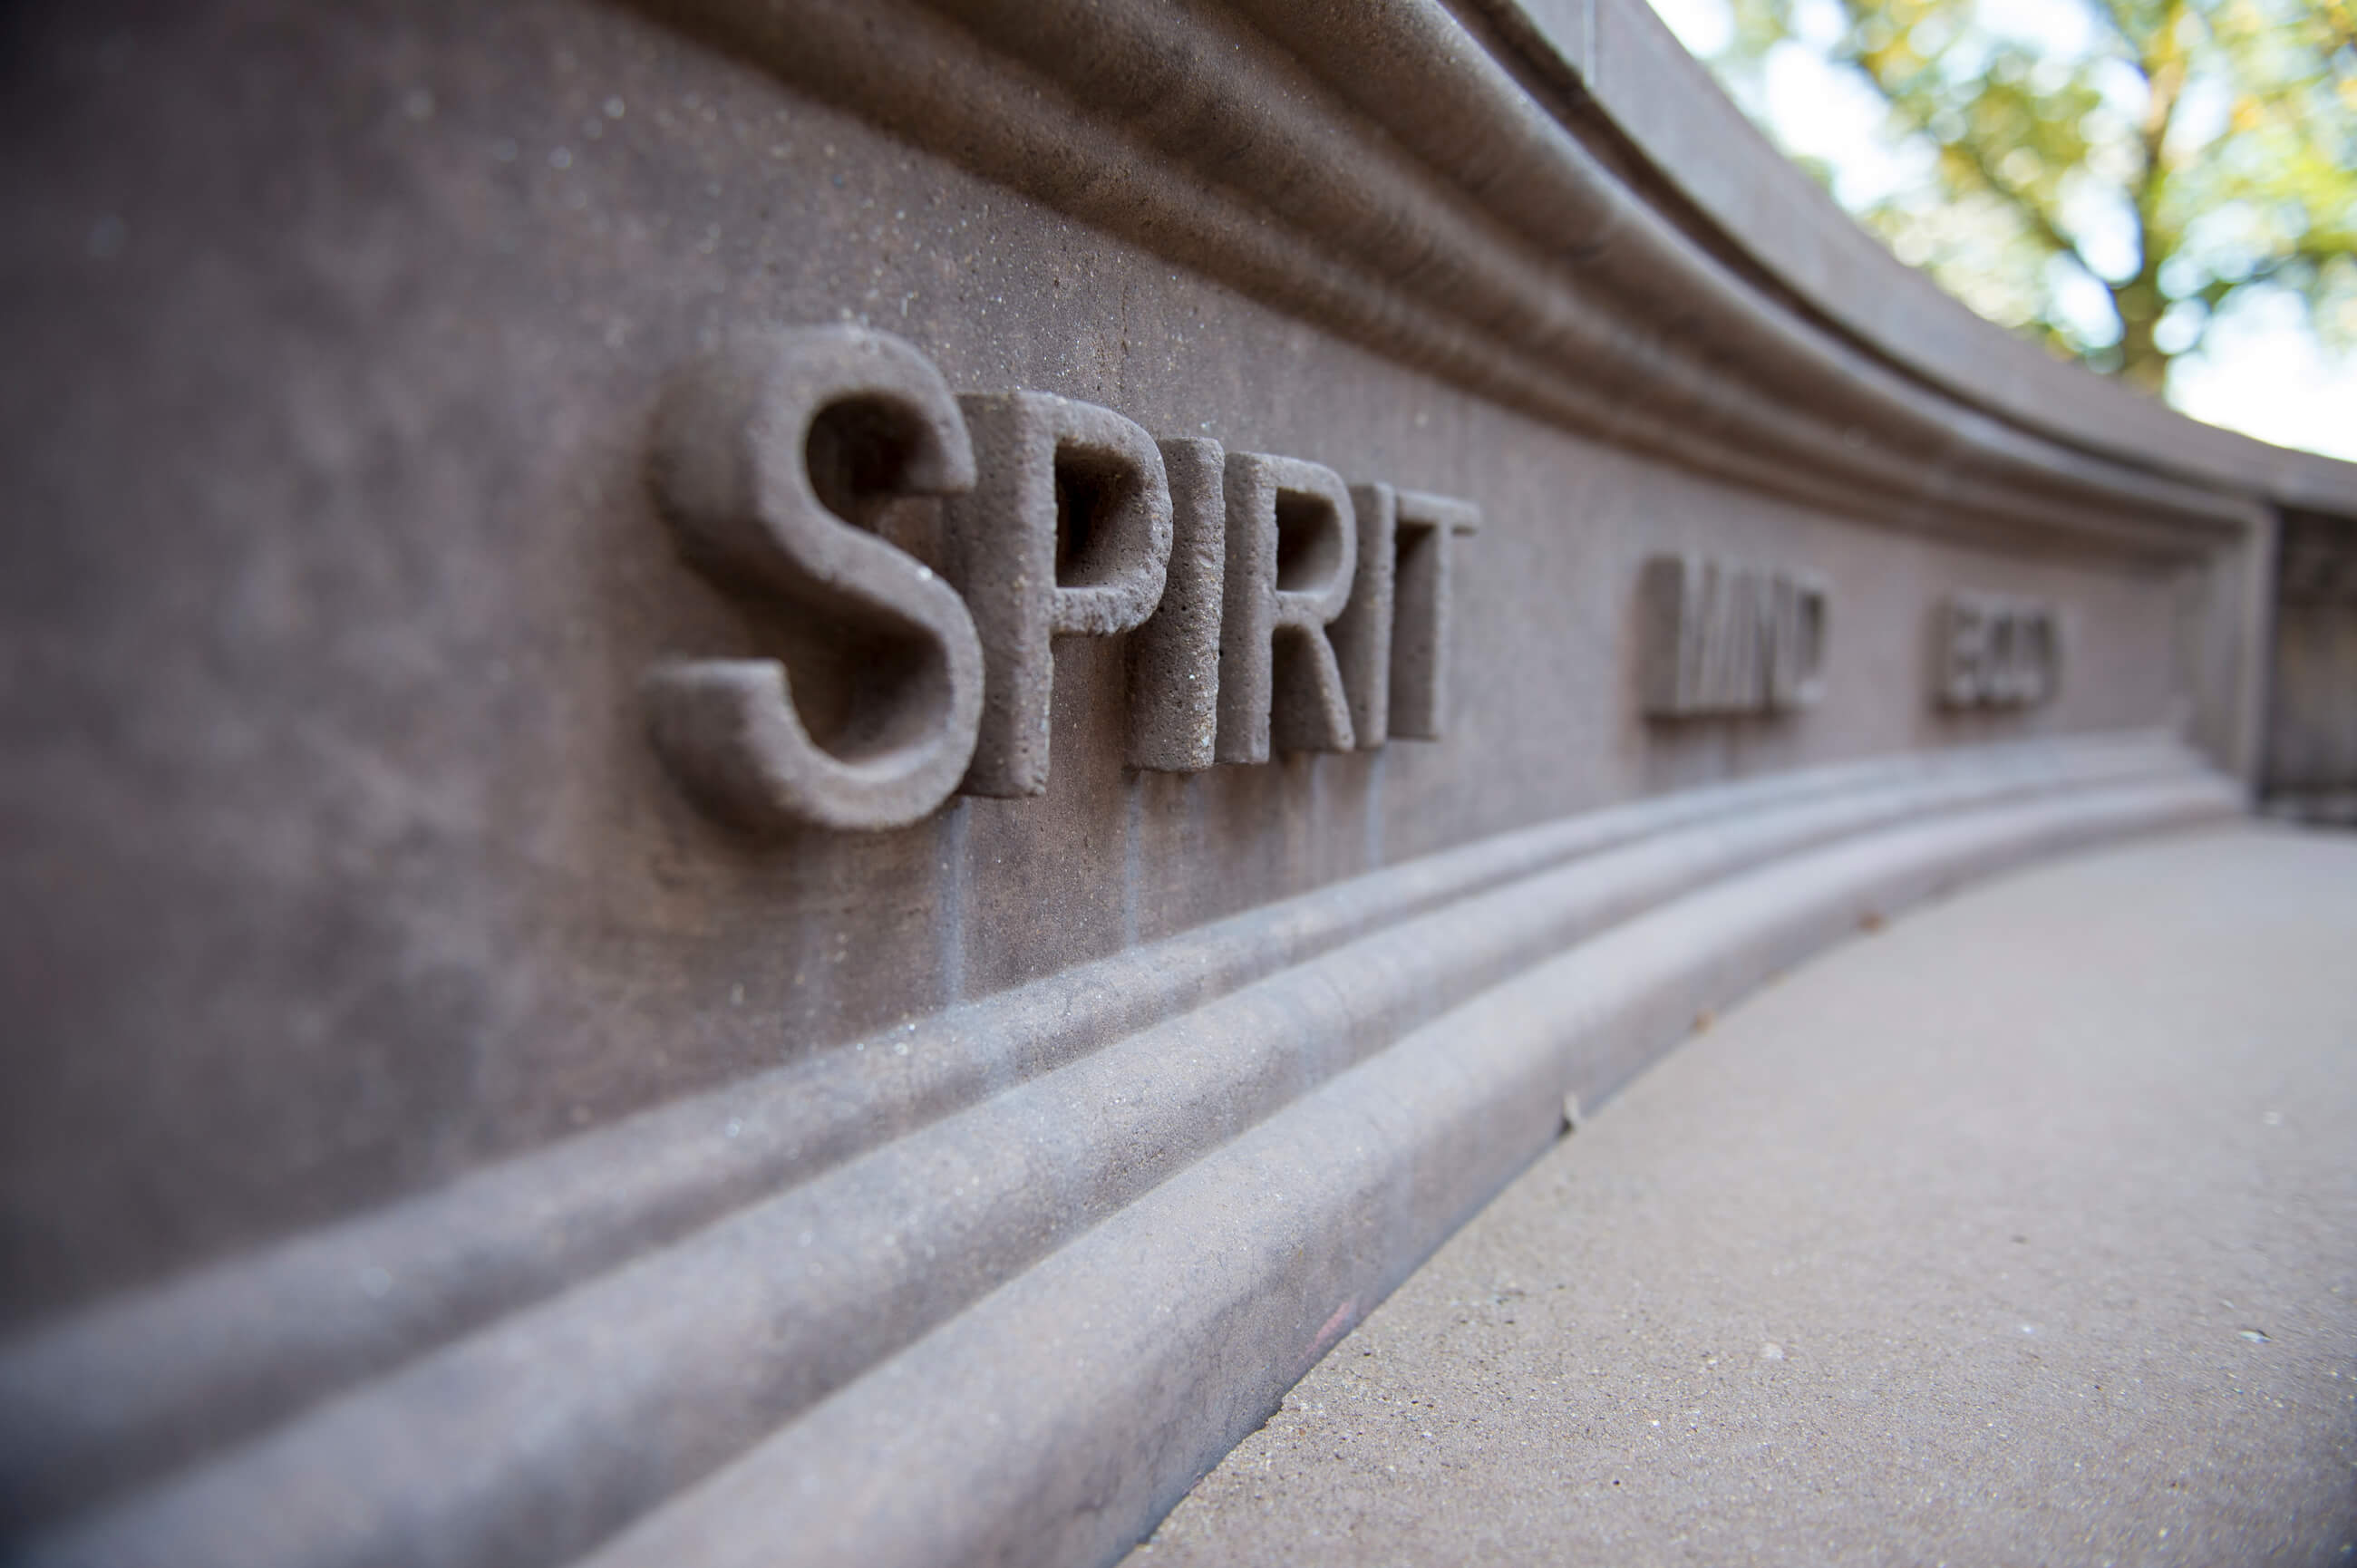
<point>2021,1231</point>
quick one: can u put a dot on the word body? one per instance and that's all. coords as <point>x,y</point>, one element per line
<point>945,542</point>
<point>1996,651</point>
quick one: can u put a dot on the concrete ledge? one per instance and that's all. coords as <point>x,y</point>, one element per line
<point>788,1256</point>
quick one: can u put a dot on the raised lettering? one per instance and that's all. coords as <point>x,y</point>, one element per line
<point>1996,651</point>
<point>731,471</point>
<point>1174,658</point>
<point>1292,547</point>
<point>1796,676</point>
<point>1392,642</point>
<point>1066,534</point>
<point>1268,608</point>
<point>1718,639</point>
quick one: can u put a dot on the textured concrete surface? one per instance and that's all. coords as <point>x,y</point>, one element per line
<point>2021,1231</point>
<point>337,863</point>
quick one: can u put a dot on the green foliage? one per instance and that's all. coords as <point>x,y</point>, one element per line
<point>2191,149</point>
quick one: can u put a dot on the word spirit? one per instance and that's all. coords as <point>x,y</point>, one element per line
<point>946,542</point>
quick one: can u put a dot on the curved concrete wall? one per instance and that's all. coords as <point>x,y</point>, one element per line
<point>1660,99</point>
<point>518,1054</point>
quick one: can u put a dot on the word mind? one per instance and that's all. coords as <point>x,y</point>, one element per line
<point>1717,639</point>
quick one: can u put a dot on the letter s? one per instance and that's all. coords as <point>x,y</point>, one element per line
<point>735,437</point>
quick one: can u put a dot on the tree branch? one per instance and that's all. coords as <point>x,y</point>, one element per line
<point>2027,204</point>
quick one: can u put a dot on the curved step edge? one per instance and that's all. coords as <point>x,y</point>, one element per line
<point>1058,1419</point>
<point>116,1396</point>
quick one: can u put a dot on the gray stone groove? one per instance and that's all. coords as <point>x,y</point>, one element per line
<point>1058,1419</point>
<point>497,1448</point>
<point>113,1396</point>
<point>1239,167</point>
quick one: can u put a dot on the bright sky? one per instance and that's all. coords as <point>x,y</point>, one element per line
<point>2261,371</point>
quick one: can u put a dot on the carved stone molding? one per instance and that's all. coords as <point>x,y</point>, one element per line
<point>1384,176</point>
<point>897,1244</point>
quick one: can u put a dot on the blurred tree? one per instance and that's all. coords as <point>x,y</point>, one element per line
<point>2187,151</point>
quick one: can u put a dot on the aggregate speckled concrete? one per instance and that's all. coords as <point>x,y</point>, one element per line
<point>2021,1231</point>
